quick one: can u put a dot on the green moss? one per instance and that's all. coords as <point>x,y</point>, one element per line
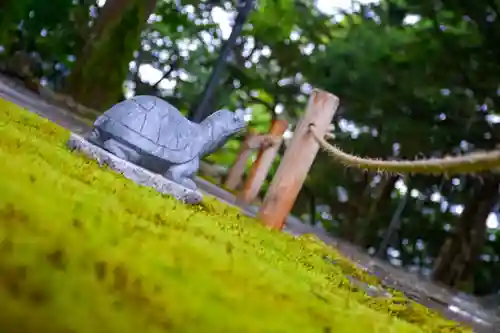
<point>82,249</point>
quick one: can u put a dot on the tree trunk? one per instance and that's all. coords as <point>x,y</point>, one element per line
<point>376,205</point>
<point>349,227</point>
<point>459,254</point>
<point>97,78</point>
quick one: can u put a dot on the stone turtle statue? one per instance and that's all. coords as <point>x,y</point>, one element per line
<point>151,133</point>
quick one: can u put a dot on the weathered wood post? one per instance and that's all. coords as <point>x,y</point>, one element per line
<point>297,160</point>
<point>235,174</point>
<point>264,161</point>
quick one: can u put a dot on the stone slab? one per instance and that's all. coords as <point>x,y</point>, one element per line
<point>134,172</point>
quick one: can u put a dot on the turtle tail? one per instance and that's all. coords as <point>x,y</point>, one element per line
<point>94,137</point>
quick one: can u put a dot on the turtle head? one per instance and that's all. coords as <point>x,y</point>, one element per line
<point>232,122</point>
<point>221,125</point>
<point>225,123</point>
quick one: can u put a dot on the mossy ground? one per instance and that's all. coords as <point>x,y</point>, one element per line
<point>84,250</point>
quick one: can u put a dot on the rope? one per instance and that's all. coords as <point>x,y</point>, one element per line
<point>451,165</point>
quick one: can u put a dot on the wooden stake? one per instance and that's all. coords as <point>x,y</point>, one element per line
<point>264,161</point>
<point>235,174</point>
<point>297,161</point>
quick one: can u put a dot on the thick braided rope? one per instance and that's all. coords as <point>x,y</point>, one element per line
<point>453,165</point>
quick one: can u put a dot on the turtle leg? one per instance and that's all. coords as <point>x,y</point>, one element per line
<point>183,173</point>
<point>122,151</point>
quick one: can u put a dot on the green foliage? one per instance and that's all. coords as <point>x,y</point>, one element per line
<point>29,24</point>
<point>10,14</point>
<point>99,253</point>
<point>275,17</point>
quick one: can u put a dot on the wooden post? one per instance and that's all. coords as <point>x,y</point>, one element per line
<point>263,163</point>
<point>235,173</point>
<point>298,159</point>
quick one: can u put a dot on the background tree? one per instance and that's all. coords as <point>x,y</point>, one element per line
<point>111,43</point>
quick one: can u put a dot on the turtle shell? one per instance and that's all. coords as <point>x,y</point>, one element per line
<point>153,126</point>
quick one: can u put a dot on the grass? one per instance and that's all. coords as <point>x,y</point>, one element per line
<point>84,250</point>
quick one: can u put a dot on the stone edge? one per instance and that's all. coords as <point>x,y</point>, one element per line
<point>133,172</point>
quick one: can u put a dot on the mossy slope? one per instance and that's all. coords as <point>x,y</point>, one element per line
<point>84,250</point>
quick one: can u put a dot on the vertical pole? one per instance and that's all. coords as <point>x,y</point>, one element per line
<point>203,109</point>
<point>394,225</point>
<point>297,160</point>
<point>263,163</point>
<point>235,174</point>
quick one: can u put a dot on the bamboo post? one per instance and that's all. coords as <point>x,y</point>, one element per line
<point>235,174</point>
<point>264,161</point>
<point>297,160</point>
